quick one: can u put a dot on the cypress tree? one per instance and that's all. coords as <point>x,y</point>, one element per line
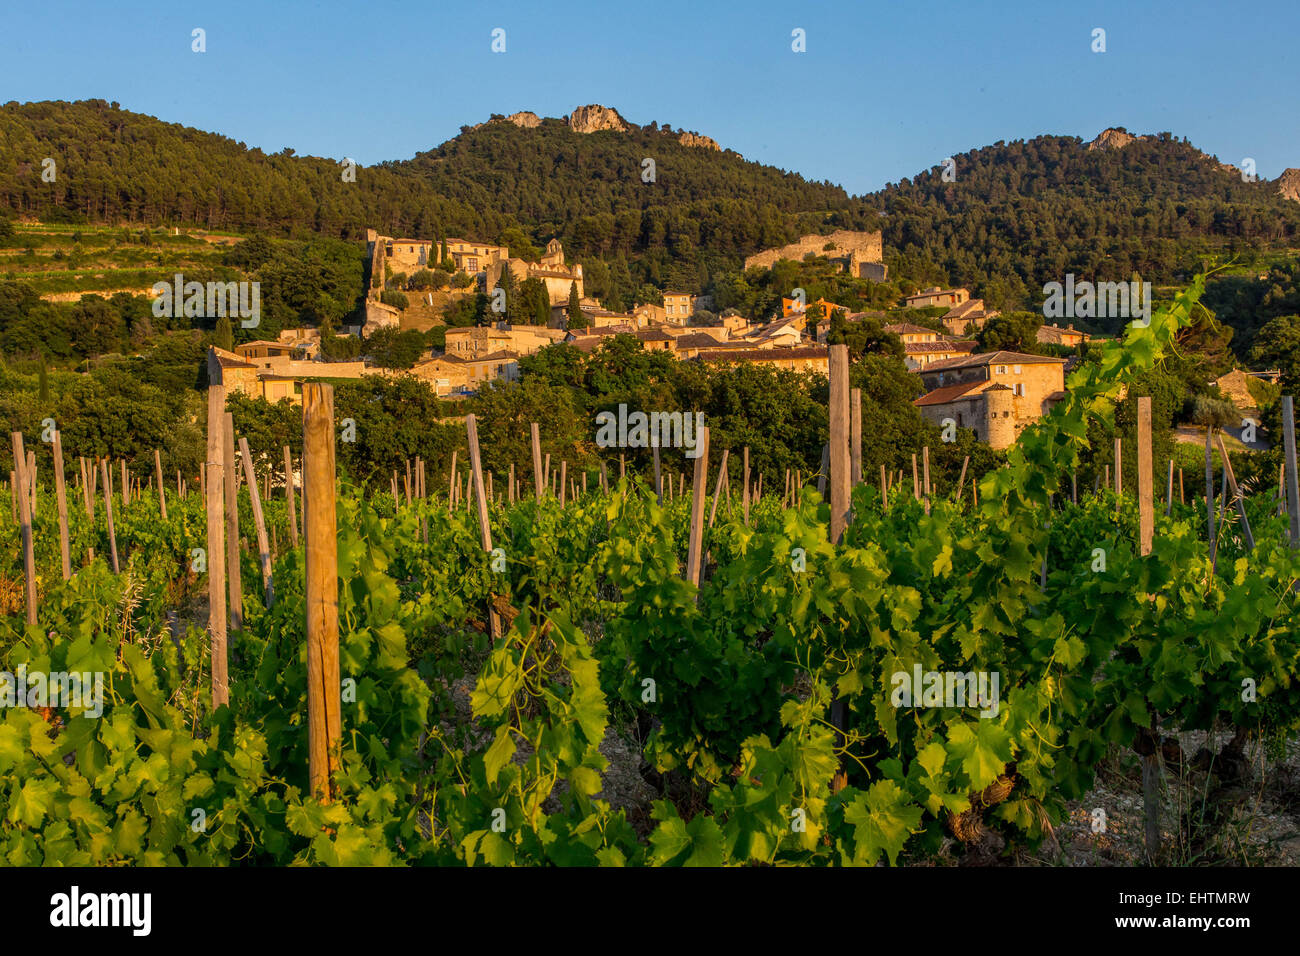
<point>576,318</point>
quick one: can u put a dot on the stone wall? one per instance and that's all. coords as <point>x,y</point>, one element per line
<point>848,245</point>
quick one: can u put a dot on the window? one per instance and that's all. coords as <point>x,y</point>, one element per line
<point>1000,370</point>
<point>1017,369</point>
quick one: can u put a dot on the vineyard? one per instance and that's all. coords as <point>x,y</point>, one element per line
<point>753,652</point>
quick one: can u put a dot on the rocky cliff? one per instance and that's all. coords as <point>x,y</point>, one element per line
<point>1288,184</point>
<point>1112,139</point>
<point>591,119</point>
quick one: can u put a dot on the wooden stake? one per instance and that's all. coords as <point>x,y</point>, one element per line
<point>214,497</point>
<point>659,485</point>
<point>1146,505</point>
<point>838,455</point>
<point>925,466</point>
<point>108,509</point>
<point>745,483</point>
<point>717,490</point>
<point>916,479</point>
<point>234,574</point>
<point>485,530</point>
<point>259,523</point>
<point>539,477</point>
<point>696,542</point>
<point>1169,490</point>
<point>855,436</point>
<point>289,497</point>
<point>320,532</point>
<point>126,485</point>
<point>1181,499</point>
<point>162,492</point>
<point>1289,462</point>
<point>1237,496</point>
<point>1209,487</point>
<point>25,517</point>
<point>61,496</point>
<point>884,490</point>
<point>961,479</point>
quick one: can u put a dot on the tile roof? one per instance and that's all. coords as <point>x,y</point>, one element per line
<point>992,358</point>
<point>947,393</point>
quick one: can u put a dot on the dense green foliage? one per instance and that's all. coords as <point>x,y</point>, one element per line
<point>732,681</point>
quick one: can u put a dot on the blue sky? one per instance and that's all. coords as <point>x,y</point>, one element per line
<point>884,89</point>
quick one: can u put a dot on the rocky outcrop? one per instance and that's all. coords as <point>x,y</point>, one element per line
<point>525,119</point>
<point>1288,184</point>
<point>1112,139</point>
<point>695,139</point>
<point>592,119</point>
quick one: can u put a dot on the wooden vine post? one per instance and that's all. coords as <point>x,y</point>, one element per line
<point>320,531</point>
<point>61,496</point>
<point>214,499</point>
<point>698,492</point>
<point>855,436</point>
<point>538,477</point>
<point>234,578</point>
<point>484,528</point>
<point>1289,461</point>
<point>745,482</point>
<point>288,497</point>
<point>840,469</point>
<point>259,523</point>
<point>25,518</point>
<point>162,492</point>
<point>1146,504</point>
<point>840,466</point>
<point>108,510</point>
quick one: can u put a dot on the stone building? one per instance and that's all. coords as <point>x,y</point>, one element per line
<point>860,254</point>
<point>996,394</point>
<point>550,269</point>
<point>936,296</point>
<point>477,341</point>
<point>966,317</point>
<point>922,346</point>
<point>1055,335</point>
<point>804,358</point>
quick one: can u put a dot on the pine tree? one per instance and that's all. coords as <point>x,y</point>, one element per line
<point>225,334</point>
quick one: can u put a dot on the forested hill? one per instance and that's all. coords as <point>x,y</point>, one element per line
<point>615,191</point>
<point>1020,214</point>
<point>705,206</point>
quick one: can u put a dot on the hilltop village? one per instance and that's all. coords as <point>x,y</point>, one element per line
<point>995,394</point>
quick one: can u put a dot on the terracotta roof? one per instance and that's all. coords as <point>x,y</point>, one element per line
<point>229,359</point>
<point>993,358</point>
<point>923,347</point>
<point>654,335</point>
<point>948,393</point>
<point>764,355</point>
<point>971,308</point>
<point>906,328</point>
<point>500,355</point>
<point>702,340</point>
<point>930,292</point>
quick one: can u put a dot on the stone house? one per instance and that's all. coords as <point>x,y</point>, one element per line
<point>1055,335</point>
<point>996,394</point>
<point>965,316</point>
<point>936,296</point>
<point>678,307</point>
